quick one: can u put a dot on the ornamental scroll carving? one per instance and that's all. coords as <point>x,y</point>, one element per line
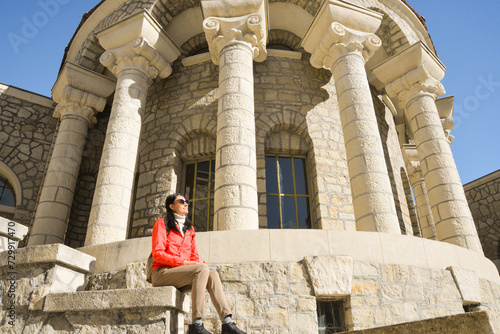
<point>138,54</point>
<point>79,103</point>
<point>340,40</point>
<point>413,84</point>
<point>248,30</point>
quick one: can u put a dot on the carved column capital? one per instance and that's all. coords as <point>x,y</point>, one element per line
<point>138,54</point>
<point>249,30</point>
<point>415,83</point>
<point>79,103</point>
<point>340,40</point>
<point>414,172</point>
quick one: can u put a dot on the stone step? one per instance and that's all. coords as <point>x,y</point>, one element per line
<point>159,297</point>
<point>141,310</point>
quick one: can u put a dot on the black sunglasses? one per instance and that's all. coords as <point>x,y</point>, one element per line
<point>182,201</point>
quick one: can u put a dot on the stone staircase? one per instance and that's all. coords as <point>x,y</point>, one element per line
<point>51,295</point>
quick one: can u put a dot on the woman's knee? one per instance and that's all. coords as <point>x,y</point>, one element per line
<point>213,276</point>
<point>201,269</point>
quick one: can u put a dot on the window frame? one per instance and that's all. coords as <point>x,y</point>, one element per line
<point>343,320</point>
<point>281,195</point>
<point>192,201</point>
<point>11,177</point>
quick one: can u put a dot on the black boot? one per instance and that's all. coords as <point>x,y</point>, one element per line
<point>197,329</point>
<point>231,328</point>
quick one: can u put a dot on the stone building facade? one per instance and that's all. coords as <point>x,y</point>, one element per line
<point>483,196</point>
<point>311,137</point>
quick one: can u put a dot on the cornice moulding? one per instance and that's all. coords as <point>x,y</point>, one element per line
<point>137,25</point>
<point>409,59</point>
<point>25,95</point>
<point>82,79</point>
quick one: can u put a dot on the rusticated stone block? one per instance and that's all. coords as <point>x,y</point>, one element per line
<point>330,275</point>
<point>468,285</point>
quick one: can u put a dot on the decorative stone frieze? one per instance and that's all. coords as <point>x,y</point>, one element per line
<point>341,38</point>
<point>413,77</point>
<point>135,63</point>
<point>78,103</point>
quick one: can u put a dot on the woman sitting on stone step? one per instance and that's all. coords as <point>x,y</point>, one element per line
<point>176,263</point>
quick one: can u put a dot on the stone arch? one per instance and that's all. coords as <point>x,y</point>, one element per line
<point>166,10</point>
<point>285,38</point>
<point>297,19</point>
<point>393,38</point>
<point>287,138</point>
<point>197,143</point>
<point>310,7</point>
<point>194,45</point>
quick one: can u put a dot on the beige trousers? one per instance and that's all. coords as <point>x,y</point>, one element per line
<point>197,278</point>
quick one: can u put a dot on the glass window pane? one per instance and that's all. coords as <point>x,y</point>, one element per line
<point>288,212</point>
<point>7,197</point>
<point>200,215</point>
<point>286,175</point>
<point>304,217</point>
<point>271,176</point>
<point>331,317</point>
<point>300,176</point>
<point>189,183</point>
<point>202,179</point>
<point>273,213</point>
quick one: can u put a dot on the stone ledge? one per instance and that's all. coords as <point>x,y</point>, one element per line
<point>222,247</point>
<point>484,322</point>
<point>12,230</point>
<point>54,253</point>
<point>168,297</point>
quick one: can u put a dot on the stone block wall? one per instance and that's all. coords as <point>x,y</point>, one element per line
<point>483,196</point>
<point>278,297</point>
<point>27,130</point>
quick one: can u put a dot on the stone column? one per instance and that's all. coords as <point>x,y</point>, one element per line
<point>76,109</point>
<point>413,78</point>
<point>424,211</point>
<point>234,43</point>
<point>135,64</point>
<point>344,51</point>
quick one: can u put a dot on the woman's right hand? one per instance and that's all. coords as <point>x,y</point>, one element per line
<point>189,263</point>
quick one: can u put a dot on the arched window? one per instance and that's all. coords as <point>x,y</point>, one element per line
<point>7,193</point>
<point>10,192</point>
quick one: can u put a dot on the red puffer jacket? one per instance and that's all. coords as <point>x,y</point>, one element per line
<point>173,249</point>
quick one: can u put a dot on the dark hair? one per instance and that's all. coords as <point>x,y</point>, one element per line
<point>170,219</point>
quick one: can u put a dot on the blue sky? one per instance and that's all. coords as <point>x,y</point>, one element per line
<point>34,34</point>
